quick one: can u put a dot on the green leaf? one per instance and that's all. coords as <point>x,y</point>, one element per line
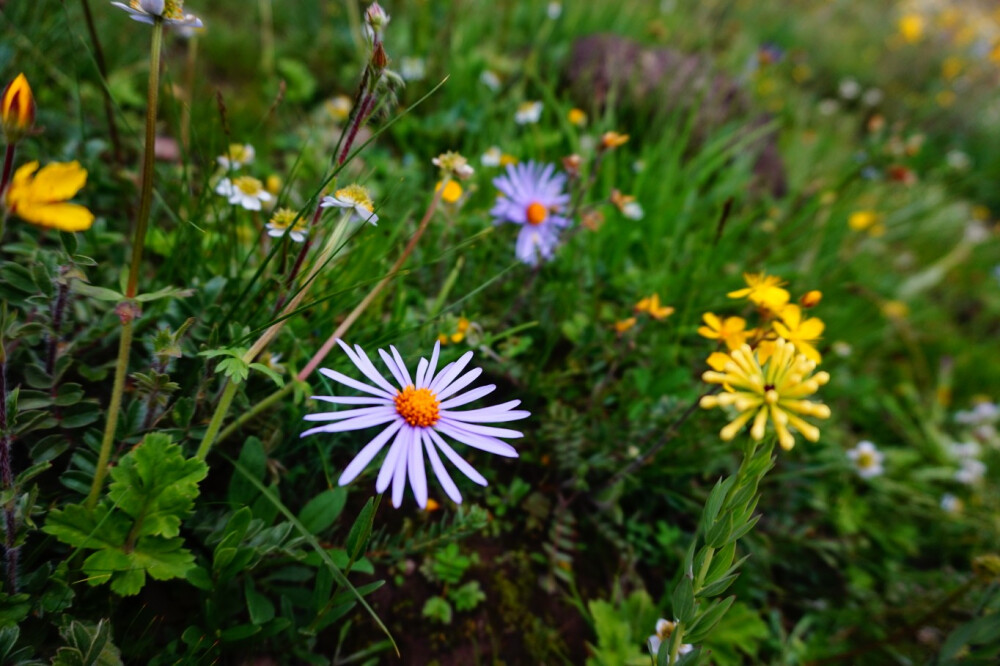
<point>156,485</point>
<point>166,292</point>
<point>235,369</point>
<point>81,527</point>
<point>361,530</point>
<point>706,621</point>
<point>260,607</point>
<point>468,596</point>
<point>683,600</point>
<point>437,609</point>
<point>99,293</point>
<point>323,510</point>
<point>253,459</point>
<point>275,377</point>
<point>14,608</point>
<point>88,645</point>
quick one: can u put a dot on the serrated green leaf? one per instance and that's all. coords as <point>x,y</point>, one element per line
<point>81,527</point>
<point>235,369</point>
<point>156,485</point>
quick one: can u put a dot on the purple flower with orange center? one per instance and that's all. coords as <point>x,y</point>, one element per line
<point>532,195</point>
<point>418,413</point>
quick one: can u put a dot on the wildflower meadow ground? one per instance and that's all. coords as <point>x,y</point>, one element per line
<point>337,332</point>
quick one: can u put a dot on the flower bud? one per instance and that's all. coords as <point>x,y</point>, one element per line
<point>379,58</point>
<point>17,108</point>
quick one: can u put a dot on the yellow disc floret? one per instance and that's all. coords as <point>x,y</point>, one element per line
<point>537,214</point>
<point>419,407</point>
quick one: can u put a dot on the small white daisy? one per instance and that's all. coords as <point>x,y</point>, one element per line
<point>355,197</point>
<point>284,218</point>
<point>528,113</point>
<point>244,191</point>
<point>412,68</point>
<point>418,413</point>
<point>849,89</point>
<point>454,164</point>
<point>490,79</point>
<point>867,460</point>
<point>554,10</point>
<point>171,12</point>
<point>664,629</point>
<point>237,156</point>
<point>492,157</point>
<point>633,210</point>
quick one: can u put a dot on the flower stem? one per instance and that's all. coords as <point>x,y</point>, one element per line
<point>149,152</point>
<point>228,393</point>
<point>7,476</point>
<point>126,310</point>
<point>8,166</point>
<point>102,69</point>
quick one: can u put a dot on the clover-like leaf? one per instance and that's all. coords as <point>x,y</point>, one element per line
<point>156,485</point>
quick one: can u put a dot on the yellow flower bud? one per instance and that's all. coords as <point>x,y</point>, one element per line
<point>17,108</point>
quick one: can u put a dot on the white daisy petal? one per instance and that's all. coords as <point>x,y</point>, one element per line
<point>349,413</point>
<point>460,383</point>
<point>465,398</point>
<point>354,424</point>
<point>399,475</point>
<point>366,454</point>
<point>389,464</point>
<point>344,400</point>
<point>401,366</point>
<point>364,364</point>
<point>391,364</point>
<point>478,441</point>
<point>429,375</point>
<point>441,383</point>
<point>354,384</point>
<point>463,466</point>
<point>440,471</point>
<point>415,469</point>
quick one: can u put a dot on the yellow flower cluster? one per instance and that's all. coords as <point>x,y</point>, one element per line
<point>649,305</point>
<point>779,318</point>
<point>772,390</point>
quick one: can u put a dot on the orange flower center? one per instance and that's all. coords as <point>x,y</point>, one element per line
<point>537,214</point>
<point>419,407</point>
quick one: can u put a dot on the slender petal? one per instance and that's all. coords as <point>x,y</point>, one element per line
<point>389,464</point>
<point>487,415</point>
<point>353,424</point>
<point>401,366</point>
<point>465,398</point>
<point>367,454</point>
<point>399,475</point>
<point>439,469</point>
<point>440,384</point>
<point>391,364</point>
<point>354,384</point>
<point>349,413</point>
<point>415,468</point>
<point>460,383</point>
<point>464,467</point>
<point>350,400</point>
<point>477,441</point>
<point>361,361</point>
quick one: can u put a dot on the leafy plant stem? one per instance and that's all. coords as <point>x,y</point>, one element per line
<point>7,475</point>
<point>126,310</point>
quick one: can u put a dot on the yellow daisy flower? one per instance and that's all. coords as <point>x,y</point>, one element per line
<point>763,290</point>
<point>651,306</point>
<point>774,392</point>
<point>40,198</point>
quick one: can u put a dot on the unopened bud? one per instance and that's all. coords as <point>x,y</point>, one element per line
<point>17,108</point>
<point>379,58</point>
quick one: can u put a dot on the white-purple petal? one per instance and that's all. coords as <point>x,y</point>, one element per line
<point>365,365</point>
<point>441,383</point>
<point>399,475</point>
<point>460,383</point>
<point>494,414</point>
<point>349,413</point>
<point>429,375</point>
<point>368,453</point>
<point>389,464</point>
<point>477,440</point>
<point>467,397</point>
<point>440,471</point>
<point>353,383</point>
<point>415,468</point>
<point>354,424</point>
<point>351,400</point>
<point>391,364</point>
<point>401,366</point>
<point>463,466</point>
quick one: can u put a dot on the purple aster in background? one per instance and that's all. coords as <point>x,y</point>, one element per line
<point>418,414</point>
<point>532,195</point>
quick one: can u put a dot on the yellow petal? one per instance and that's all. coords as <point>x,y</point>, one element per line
<point>811,329</point>
<point>791,315</point>
<point>712,320</point>
<point>706,332</point>
<point>62,216</point>
<point>58,181</point>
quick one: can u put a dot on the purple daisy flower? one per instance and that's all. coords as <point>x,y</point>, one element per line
<point>418,414</point>
<point>532,196</point>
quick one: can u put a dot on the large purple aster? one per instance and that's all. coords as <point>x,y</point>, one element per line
<point>418,414</point>
<point>532,195</point>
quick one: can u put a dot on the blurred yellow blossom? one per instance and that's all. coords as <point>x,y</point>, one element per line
<point>811,299</point>
<point>911,27</point>
<point>651,306</point>
<point>577,117</point>
<point>610,140</point>
<point>731,331</point>
<point>452,191</point>
<point>895,309</point>
<point>800,332</point>
<point>624,325</point>
<point>17,108</point>
<point>40,198</point>
<point>763,290</point>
